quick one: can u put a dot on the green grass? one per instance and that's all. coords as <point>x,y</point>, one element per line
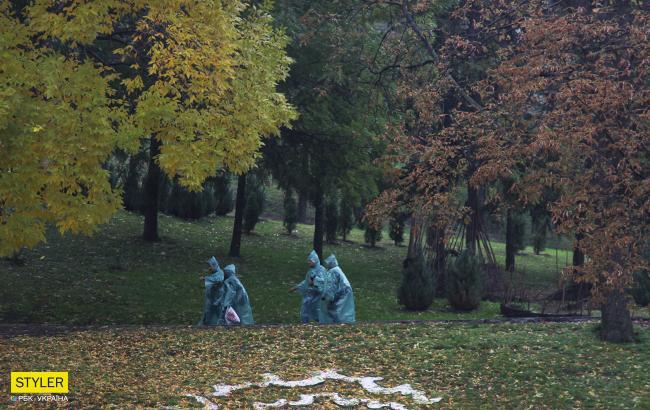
<point>537,366</point>
<point>537,271</point>
<point>114,277</point>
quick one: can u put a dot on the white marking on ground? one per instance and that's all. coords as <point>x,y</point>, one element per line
<point>368,383</point>
<point>308,399</point>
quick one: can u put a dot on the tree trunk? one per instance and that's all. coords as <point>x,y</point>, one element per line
<point>440,264</point>
<point>240,204</point>
<point>510,246</point>
<point>579,260</point>
<point>471,232</point>
<point>319,223</point>
<point>578,256</point>
<point>302,208</point>
<point>151,193</point>
<point>616,322</point>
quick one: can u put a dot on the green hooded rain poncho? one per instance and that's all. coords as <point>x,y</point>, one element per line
<point>235,296</point>
<point>213,310</point>
<point>337,296</point>
<point>309,310</point>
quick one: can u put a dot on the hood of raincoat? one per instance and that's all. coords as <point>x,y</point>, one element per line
<point>313,256</point>
<point>216,277</point>
<point>229,270</point>
<point>213,263</point>
<point>331,262</point>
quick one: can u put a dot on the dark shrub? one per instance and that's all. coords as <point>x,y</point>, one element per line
<point>372,235</point>
<point>416,291</point>
<point>346,218</point>
<point>396,228</point>
<point>290,212</point>
<point>209,199</point>
<point>465,282</point>
<point>519,231</point>
<point>223,195</point>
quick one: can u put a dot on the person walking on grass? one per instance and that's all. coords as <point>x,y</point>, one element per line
<point>214,292</point>
<point>236,297</point>
<point>337,301</point>
<point>309,310</point>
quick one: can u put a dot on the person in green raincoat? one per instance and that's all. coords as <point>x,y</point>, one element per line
<point>213,310</point>
<point>309,310</point>
<point>235,296</point>
<point>337,295</point>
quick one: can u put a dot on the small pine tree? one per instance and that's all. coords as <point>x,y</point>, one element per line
<point>194,206</point>
<point>416,292</point>
<point>372,235</point>
<point>210,199</point>
<point>290,212</point>
<point>396,228</point>
<point>254,204</point>
<point>519,222</point>
<point>346,218</point>
<point>331,220</point>
<point>182,203</point>
<point>174,204</point>
<point>465,279</point>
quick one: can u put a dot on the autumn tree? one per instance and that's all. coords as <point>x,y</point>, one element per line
<point>574,93</point>
<point>202,84</point>
<point>428,168</point>
<point>557,99</point>
<point>58,123</point>
<point>195,81</point>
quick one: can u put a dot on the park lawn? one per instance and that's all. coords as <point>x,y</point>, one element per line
<point>113,277</point>
<point>540,365</point>
<point>541,272</point>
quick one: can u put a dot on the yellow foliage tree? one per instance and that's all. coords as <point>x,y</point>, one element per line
<point>57,127</point>
<point>196,80</point>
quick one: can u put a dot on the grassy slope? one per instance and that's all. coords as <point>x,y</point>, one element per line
<point>539,271</point>
<point>469,366</point>
<point>115,277</point>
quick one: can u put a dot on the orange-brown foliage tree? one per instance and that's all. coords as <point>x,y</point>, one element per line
<point>563,94</point>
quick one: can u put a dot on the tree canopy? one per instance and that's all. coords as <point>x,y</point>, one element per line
<point>197,78</point>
